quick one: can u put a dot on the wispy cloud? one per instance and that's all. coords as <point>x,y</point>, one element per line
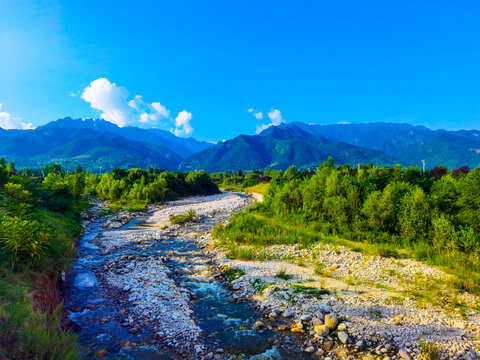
<point>276,119</point>
<point>115,106</point>
<point>8,121</point>
<point>258,114</point>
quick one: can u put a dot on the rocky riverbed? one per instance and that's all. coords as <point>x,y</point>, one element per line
<point>385,308</point>
<point>144,288</point>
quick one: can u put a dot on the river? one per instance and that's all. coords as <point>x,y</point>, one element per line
<point>147,290</point>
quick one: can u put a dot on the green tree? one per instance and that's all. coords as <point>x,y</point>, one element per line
<point>16,200</point>
<point>379,211</point>
<point>443,234</point>
<point>414,219</point>
<point>78,169</point>
<point>10,167</point>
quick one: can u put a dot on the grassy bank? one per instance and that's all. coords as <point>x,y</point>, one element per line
<point>39,225</point>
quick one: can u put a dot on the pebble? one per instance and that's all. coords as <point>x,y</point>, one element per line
<point>306,318</point>
<point>403,354</point>
<point>310,350</point>
<point>342,336</point>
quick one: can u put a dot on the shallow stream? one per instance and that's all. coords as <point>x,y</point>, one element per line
<point>101,310</point>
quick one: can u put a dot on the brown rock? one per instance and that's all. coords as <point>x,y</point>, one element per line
<point>328,345</point>
<point>101,353</point>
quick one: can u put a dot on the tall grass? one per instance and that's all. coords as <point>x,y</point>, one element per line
<point>27,334</point>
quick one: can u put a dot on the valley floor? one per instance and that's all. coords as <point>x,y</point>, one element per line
<point>167,290</point>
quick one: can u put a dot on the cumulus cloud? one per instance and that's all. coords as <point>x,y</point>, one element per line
<point>8,121</point>
<point>276,119</point>
<point>111,100</point>
<point>182,123</point>
<point>114,104</point>
<point>258,114</point>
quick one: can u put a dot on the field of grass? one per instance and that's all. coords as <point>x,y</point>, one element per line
<point>259,188</point>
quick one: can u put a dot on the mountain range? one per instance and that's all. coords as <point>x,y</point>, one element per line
<point>307,145</point>
<point>99,145</point>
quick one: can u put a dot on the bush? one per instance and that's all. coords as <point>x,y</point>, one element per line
<point>24,239</point>
<point>188,216</point>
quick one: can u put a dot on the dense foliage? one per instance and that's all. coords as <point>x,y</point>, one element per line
<point>38,222</point>
<point>148,186</point>
<point>434,215</point>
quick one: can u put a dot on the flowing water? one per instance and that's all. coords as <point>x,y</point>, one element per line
<point>100,311</point>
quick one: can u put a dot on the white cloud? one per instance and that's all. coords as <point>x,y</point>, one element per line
<point>182,123</point>
<point>8,121</point>
<point>258,114</point>
<point>112,101</point>
<point>276,119</point>
<point>161,110</point>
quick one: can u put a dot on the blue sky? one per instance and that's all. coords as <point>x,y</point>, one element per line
<point>198,66</point>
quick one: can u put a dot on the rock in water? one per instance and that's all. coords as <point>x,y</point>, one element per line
<point>310,350</point>
<point>258,325</point>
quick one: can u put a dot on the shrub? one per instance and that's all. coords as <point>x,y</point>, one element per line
<point>24,239</point>
<point>188,216</point>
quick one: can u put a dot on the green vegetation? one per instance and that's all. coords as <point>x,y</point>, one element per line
<point>319,269</point>
<point>252,181</point>
<point>39,221</point>
<point>428,350</point>
<point>309,291</point>
<point>432,217</point>
<point>135,188</point>
<point>232,273</point>
<point>260,285</point>
<point>188,216</point>
<point>40,217</point>
<point>283,275</point>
